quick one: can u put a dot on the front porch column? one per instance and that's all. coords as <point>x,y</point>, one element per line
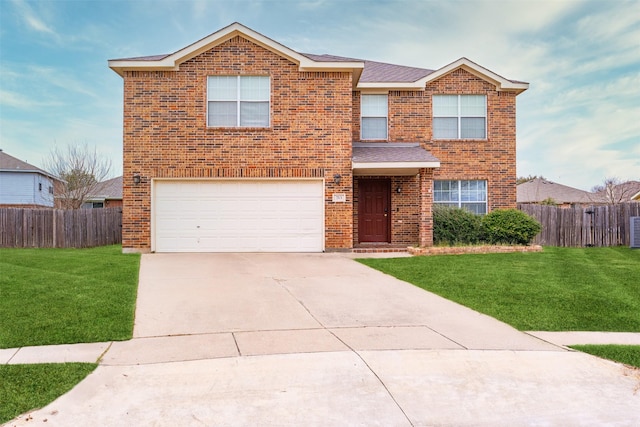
<point>425,224</point>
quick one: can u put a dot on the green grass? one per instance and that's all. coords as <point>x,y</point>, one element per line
<point>627,354</point>
<point>559,289</point>
<point>63,296</point>
<point>26,387</point>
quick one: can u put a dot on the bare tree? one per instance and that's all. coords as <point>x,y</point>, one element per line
<point>613,191</point>
<point>81,168</point>
<point>523,179</point>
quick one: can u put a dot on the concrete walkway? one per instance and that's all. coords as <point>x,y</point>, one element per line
<point>296,339</point>
<point>208,346</point>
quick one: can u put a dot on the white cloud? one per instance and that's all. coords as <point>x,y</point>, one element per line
<point>21,101</point>
<point>30,18</point>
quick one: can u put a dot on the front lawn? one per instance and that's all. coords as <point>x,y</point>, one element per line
<point>24,387</point>
<point>63,296</point>
<point>559,289</point>
<point>628,354</point>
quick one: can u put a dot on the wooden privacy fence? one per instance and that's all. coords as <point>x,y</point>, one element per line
<point>589,226</point>
<point>56,228</point>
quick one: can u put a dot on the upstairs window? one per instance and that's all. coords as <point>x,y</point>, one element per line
<point>373,111</point>
<point>459,117</point>
<point>470,195</point>
<point>238,101</point>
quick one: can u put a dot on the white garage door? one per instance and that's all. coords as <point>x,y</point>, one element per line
<point>238,216</point>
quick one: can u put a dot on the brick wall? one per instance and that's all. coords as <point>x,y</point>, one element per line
<point>493,159</point>
<point>166,134</point>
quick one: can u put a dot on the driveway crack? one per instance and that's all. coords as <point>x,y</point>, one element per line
<point>281,283</point>
<point>376,375</point>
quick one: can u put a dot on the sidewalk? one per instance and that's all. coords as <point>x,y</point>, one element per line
<point>181,348</point>
<point>580,338</point>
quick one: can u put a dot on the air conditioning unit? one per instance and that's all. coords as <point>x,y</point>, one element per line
<point>635,232</point>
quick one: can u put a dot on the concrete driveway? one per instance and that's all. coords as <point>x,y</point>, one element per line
<point>318,339</point>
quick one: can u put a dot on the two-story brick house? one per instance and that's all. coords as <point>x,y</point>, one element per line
<point>238,143</point>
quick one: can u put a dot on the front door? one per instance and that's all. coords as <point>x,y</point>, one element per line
<point>374,206</point>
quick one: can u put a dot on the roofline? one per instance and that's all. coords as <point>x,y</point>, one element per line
<point>100,198</point>
<point>501,83</point>
<point>172,62</point>
<point>392,85</point>
<point>394,165</point>
<point>38,171</point>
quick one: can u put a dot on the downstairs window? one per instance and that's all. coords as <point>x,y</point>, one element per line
<point>468,194</point>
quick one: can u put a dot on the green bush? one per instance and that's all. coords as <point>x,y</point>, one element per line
<point>455,226</point>
<point>509,226</point>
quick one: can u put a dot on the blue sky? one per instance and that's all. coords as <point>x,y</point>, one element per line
<point>578,123</point>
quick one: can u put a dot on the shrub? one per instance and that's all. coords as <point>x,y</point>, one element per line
<point>509,226</point>
<point>455,226</point>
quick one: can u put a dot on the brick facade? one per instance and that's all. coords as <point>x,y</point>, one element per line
<point>493,159</point>
<point>314,118</point>
<point>166,133</point>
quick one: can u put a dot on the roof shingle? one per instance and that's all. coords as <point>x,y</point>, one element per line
<point>390,152</point>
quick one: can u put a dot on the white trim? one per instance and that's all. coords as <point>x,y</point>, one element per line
<point>460,203</point>
<point>394,165</point>
<point>500,82</point>
<point>386,117</point>
<point>173,61</point>
<point>239,101</point>
<point>479,71</point>
<point>387,86</point>
<point>459,117</point>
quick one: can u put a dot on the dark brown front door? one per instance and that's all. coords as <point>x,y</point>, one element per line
<point>374,200</point>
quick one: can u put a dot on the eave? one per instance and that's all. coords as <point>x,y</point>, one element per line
<point>172,62</point>
<point>501,83</point>
<point>391,168</point>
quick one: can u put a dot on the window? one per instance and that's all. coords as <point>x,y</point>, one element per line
<point>92,205</point>
<point>373,110</point>
<point>459,117</point>
<point>471,195</point>
<point>238,101</point>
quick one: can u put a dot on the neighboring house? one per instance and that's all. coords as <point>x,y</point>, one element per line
<point>107,194</point>
<point>24,185</point>
<point>543,191</point>
<point>238,143</point>
<point>625,192</point>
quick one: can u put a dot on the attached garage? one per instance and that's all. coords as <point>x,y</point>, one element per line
<point>238,215</point>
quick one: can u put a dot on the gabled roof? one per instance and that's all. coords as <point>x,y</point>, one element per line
<point>367,75</point>
<point>383,76</point>
<point>110,189</point>
<point>11,164</point>
<point>538,190</point>
<point>173,61</point>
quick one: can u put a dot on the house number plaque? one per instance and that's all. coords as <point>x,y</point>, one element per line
<point>339,197</point>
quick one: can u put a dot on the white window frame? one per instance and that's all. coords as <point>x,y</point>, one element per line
<point>460,203</point>
<point>238,101</point>
<point>459,116</point>
<point>385,116</point>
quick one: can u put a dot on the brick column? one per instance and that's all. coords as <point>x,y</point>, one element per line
<point>425,224</point>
